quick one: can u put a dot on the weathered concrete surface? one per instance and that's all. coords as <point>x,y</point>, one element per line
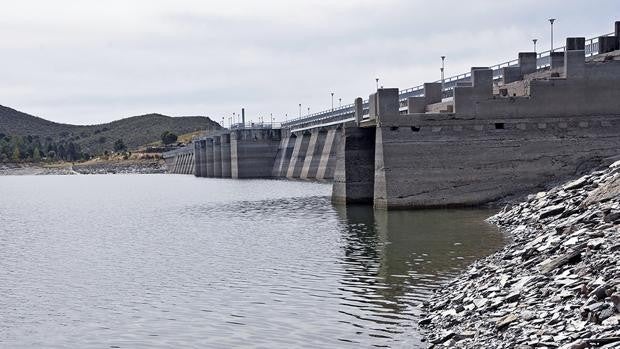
<point>209,157</point>
<point>421,162</point>
<point>283,158</point>
<point>354,175</point>
<point>253,152</point>
<point>217,156</point>
<point>327,165</point>
<point>313,154</point>
<point>225,159</point>
<point>298,155</point>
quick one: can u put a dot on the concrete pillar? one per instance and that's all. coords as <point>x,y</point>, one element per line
<point>313,154</point>
<point>253,152</point>
<point>575,44</point>
<point>355,166</point>
<point>432,93</point>
<point>574,58</point>
<point>387,102</point>
<point>359,110</point>
<point>197,158</point>
<point>372,106</point>
<point>527,62</point>
<point>217,156</point>
<point>482,81</point>
<point>298,156</point>
<point>557,60</point>
<point>225,155</point>
<point>283,158</point>
<point>617,31</point>
<point>327,165</point>
<point>209,157</point>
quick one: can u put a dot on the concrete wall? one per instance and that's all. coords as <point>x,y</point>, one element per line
<point>253,152</point>
<point>298,155</point>
<point>423,163</point>
<point>313,154</point>
<point>181,161</point>
<point>217,156</point>
<point>354,174</point>
<point>327,164</point>
<point>225,155</point>
<point>283,157</point>
<point>209,157</point>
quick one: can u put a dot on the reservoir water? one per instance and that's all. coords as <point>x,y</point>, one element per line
<point>166,261</point>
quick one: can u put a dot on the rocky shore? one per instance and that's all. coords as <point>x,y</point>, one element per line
<point>90,167</point>
<point>555,285</point>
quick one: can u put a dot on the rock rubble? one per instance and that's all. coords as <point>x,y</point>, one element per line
<point>555,285</point>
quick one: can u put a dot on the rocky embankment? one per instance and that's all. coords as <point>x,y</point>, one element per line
<point>555,285</point>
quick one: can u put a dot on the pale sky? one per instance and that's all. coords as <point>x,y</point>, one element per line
<point>85,62</point>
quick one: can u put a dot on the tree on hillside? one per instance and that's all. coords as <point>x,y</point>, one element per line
<point>16,154</point>
<point>168,137</point>
<point>36,154</point>
<point>119,145</point>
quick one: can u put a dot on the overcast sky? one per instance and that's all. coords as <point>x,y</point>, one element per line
<point>85,62</point>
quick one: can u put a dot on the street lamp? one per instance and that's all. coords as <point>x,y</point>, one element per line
<point>339,102</point>
<point>534,41</point>
<point>377,81</point>
<point>443,61</point>
<point>551,20</point>
<point>299,109</point>
<point>332,101</point>
<point>308,111</point>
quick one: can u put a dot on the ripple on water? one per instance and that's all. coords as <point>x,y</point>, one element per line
<point>175,261</point>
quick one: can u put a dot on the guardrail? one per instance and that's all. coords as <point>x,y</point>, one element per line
<point>345,111</point>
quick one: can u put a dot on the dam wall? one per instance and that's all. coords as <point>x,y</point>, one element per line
<point>491,146</point>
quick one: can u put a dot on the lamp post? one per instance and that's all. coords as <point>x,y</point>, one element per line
<point>308,111</point>
<point>271,118</point>
<point>339,102</point>
<point>377,81</point>
<point>534,41</point>
<point>551,20</point>
<point>443,66</point>
<point>299,109</point>
<point>332,101</point>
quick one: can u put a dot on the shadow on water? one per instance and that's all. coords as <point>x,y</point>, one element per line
<point>394,259</point>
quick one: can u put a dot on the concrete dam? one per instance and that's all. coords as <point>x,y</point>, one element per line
<point>471,139</point>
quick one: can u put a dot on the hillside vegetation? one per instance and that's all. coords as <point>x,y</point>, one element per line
<point>18,128</point>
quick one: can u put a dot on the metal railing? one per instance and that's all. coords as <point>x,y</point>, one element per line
<point>255,125</point>
<point>346,111</point>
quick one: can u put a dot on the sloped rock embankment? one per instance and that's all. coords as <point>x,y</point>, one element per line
<point>555,285</point>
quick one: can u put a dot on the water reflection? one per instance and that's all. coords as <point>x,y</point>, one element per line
<point>393,260</point>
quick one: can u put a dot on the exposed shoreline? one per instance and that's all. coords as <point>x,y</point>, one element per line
<point>555,284</point>
<point>90,167</point>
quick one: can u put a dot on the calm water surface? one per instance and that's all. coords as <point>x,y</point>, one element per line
<point>165,261</point>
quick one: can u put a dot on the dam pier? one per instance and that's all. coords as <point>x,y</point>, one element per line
<point>474,138</point>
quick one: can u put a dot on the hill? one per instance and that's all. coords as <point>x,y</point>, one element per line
<point>95,139</point>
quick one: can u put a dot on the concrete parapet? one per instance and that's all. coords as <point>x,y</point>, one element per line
<point>387,101</point>
<point>209,157</point>
<point>355,165</point>
<point>482,81</point>
<point>527,62</point>
<point>574,64</point>
<point>557,60</point>
<point>298,156</point>
<point>327,165</point>
<point>607,44</point>
<point>416,105</point>
<point>511,74</point>
<point>432,93</point>
<point>253,152</point>
<point>217,156</point>
<point>359,110</point>
<point>313,154</point>
<point>225,155</point>
<point>575,44</point>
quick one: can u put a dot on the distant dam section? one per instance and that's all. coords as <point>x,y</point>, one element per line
<point>475,138</point>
